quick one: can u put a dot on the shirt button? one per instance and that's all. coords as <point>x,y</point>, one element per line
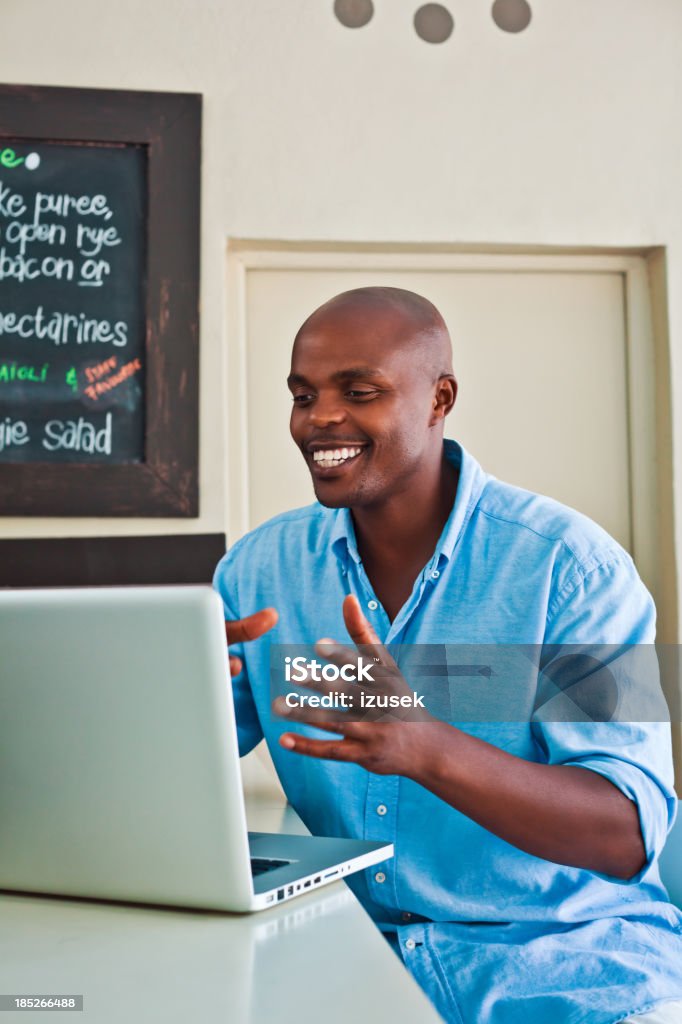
<point>380,877</point>
<point>372,605</point>
<point>410,944</point>
<point>435,574</point>
<point>381,809</point>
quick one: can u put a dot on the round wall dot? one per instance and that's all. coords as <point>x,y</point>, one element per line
<point>32,161</point>
<point>512,15</point>
<point>433,23</point>
<point>353,13</point>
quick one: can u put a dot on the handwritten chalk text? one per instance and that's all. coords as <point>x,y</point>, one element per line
<point>61,204</point>
<point>62,328</point>
<point>10,372</point>
<point>100,387</point>
<point>78,435</point>
<point>13,433</point>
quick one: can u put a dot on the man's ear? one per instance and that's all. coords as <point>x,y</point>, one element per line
<point>444,397</point>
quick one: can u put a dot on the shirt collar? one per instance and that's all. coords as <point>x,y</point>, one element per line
<point>472,480</point>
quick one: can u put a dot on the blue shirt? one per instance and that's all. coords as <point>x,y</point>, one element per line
<point>495,935</point>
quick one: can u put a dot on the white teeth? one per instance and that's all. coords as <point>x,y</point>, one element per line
<point>331,457</point>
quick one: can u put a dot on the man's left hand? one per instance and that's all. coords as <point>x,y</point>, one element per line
<point>387,740</point>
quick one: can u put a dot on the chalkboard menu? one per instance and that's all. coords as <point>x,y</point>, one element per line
<point>99,302</point>
<point>72,326</point>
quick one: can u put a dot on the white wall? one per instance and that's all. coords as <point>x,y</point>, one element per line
<point>566,135</point>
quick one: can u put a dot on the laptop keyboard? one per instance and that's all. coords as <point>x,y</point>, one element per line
<point>259,865</point>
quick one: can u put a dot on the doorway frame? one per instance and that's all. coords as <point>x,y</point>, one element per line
<point>647,360</point>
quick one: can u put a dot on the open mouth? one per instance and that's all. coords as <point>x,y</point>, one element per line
<point>332,458</point>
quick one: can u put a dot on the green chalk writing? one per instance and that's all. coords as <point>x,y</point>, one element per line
<point>17,371</point>
<point>8,158</point>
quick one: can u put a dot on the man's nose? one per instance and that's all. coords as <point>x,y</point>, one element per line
<point>326,409</point>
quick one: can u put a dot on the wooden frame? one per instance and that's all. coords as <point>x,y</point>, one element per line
<point>169,126</point>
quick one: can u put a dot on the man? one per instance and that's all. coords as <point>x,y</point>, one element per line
<point>524,886</point>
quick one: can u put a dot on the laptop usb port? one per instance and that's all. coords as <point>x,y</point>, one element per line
<point>318,879</point>
<point>280,894</point>
<point>306,884</point>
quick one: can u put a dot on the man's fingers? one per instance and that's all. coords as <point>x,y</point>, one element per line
<point>241,630</point>
<point>331,750</point>
<point>361,631</point>
<point>235,665</point>
<point>350,690</point>
<point>363,634</point>
<point>337,654</point>
<point>320,718</point>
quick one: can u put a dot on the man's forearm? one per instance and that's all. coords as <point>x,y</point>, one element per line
<point>561,813</point>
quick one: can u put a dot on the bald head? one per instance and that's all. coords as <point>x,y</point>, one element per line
<point>410,321</point>
<point>371,382</point>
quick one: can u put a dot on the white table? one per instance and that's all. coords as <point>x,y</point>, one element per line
<point>318,957</point>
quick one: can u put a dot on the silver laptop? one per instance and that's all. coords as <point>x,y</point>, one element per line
<point>119,767</point>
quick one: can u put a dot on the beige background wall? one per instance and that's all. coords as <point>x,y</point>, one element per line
<point>566,135</point>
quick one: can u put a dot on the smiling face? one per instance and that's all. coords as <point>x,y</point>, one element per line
<point>366,412</point>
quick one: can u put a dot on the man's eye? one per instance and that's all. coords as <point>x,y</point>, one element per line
<point>302,399</point>
<point>358,394</point>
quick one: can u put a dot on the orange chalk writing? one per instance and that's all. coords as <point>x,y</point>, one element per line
<point>96,372</point>
<point>100,387</point>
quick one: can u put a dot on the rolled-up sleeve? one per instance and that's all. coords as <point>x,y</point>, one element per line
<point>635,757</point>
<point>610,612</point>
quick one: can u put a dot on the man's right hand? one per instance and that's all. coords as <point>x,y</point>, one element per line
<point>239,631</point>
